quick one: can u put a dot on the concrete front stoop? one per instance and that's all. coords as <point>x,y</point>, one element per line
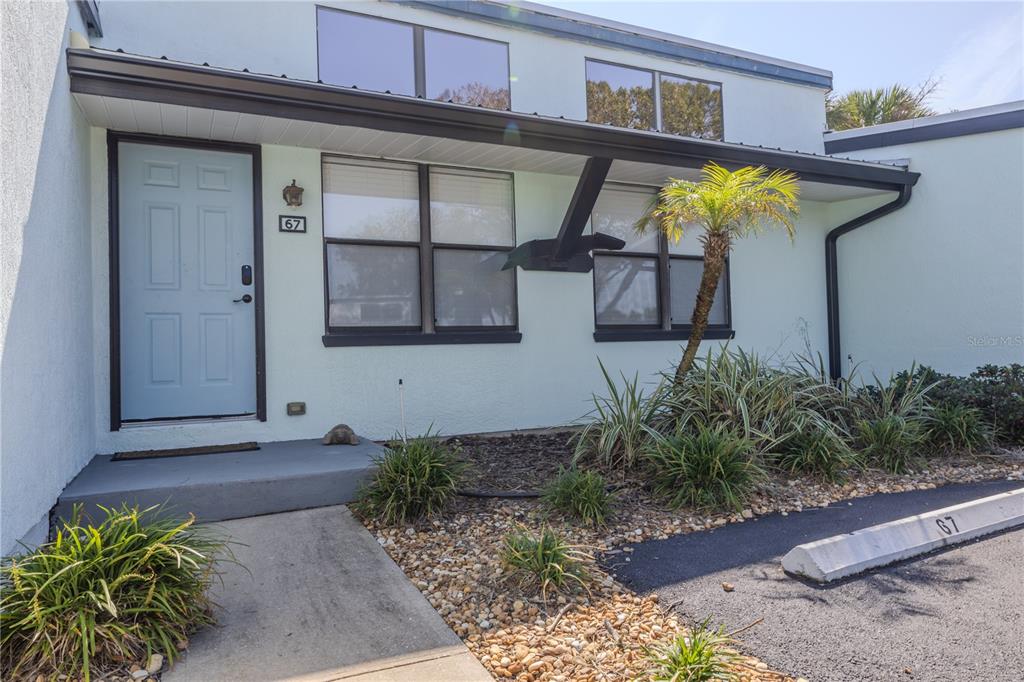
<point>314,598</point>
<point>279,477</point>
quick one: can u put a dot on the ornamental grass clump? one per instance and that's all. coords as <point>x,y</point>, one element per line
<point>892,442</point>
<point>106,595</point>
<point>544,561</point>
<point>766,404</point>
<point>958,428</point>
<point>580,493</point>
<point>415,478</point>
<point>819,452</point>
<point>701,655</point>
<point>891,420</point>
<point>709,467</point>
<point>619,429</point>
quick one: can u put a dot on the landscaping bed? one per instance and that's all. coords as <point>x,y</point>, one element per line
<point>454,558</point>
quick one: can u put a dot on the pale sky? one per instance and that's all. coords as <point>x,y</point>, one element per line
<point>974,49</point>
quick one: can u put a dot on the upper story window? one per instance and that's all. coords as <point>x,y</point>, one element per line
<point>384,55</point>
<point>650,284</point>
<point>629,97</point>
<point>415,248</point>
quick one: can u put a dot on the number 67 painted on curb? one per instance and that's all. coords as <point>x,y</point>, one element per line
<point>941,523</point>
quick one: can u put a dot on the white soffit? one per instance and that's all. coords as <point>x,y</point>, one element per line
<point>135,116</point>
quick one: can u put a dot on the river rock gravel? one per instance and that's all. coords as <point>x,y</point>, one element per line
<point>598,634</point>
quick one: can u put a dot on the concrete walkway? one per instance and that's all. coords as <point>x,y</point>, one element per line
<point>318,599</point>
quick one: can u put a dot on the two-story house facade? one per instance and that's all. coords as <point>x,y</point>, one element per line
<point>274,217</point>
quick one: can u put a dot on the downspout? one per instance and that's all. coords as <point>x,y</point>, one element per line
<point>835,360</point>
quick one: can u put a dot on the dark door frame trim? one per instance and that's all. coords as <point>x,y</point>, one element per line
<point>113,256</point>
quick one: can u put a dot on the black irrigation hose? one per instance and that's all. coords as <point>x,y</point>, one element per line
<point>517,494</point>
<point>499,494</point>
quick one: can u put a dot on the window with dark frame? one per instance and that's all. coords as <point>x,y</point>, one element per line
<point>651,284</point>
<point>411,248</point>
<point>646,99</point>
<point>385,55</point>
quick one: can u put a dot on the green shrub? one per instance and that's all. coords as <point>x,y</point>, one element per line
<point>893,442</point>
<point>957,427</point>
<point>701,655</point>
<point>580,493</point>
<point>768,405</point>
<point>710,467</point>
<point>620,424</point>
<point>818,452</point>
<point>105,595</point>
<point>544,560</point>
<point>997,392</point>
<point>905,395</point>
<point>414,478</point>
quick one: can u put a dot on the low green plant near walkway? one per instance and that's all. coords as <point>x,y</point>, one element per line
<point>105,595</point>
<point>580,493</point>
<point>708,467</point>
<point>701,655</point>
<point>415,478</point>
<point>544,560</point>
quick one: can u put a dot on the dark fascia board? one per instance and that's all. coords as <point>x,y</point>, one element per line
<point>1004,120</point>
<point>90,12</point>
<point>562,27</point>
<point>124,76</point>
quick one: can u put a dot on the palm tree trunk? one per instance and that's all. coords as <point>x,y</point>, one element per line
<point>716,248</point>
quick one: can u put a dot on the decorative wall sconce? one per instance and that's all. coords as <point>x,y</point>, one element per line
<point>292,194</point>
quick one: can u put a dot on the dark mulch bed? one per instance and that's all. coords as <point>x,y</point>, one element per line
<point>519,462</point>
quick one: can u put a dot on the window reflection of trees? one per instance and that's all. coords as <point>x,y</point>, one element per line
<point>623,107</point>
<point>476,94</point>
<point>691,108</point>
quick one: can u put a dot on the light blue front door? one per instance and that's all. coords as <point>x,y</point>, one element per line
<point>187,317</point>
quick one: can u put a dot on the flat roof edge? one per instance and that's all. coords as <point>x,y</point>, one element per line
<point>955,124</point>
<point>550,20</point>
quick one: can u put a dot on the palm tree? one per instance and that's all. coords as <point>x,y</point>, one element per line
<point>725,205</point>
<point>859,108</point>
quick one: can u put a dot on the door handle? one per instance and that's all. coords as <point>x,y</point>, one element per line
<point>246,298</point>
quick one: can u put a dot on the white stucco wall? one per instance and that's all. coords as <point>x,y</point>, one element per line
<point>548,73</point>
<point>941,281</point>
<point>46,330</point>
<point>547,379</point>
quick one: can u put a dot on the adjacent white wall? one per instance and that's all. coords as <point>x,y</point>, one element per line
<point>46,392</point>
<point>941,281</point>
<point>547,379</point>
<point>548,73</point>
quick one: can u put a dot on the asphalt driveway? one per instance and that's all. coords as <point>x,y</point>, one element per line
<point>957,614</point>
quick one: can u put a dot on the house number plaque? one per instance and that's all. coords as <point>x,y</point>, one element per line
<point>291,223</point>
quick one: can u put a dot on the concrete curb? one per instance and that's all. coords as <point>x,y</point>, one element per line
<point>845,555</point>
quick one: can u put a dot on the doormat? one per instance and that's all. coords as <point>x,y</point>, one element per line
<point>182,452</point>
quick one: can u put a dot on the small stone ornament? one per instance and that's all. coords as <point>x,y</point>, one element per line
<point>341,434</point>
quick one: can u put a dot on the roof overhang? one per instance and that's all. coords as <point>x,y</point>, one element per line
<point>105,74</point>
<point>157,96</point>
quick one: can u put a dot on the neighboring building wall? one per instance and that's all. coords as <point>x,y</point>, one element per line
<point>548,73</point>
<point>941,281</point>
<point>46,394</point>
<point>547,379</point>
